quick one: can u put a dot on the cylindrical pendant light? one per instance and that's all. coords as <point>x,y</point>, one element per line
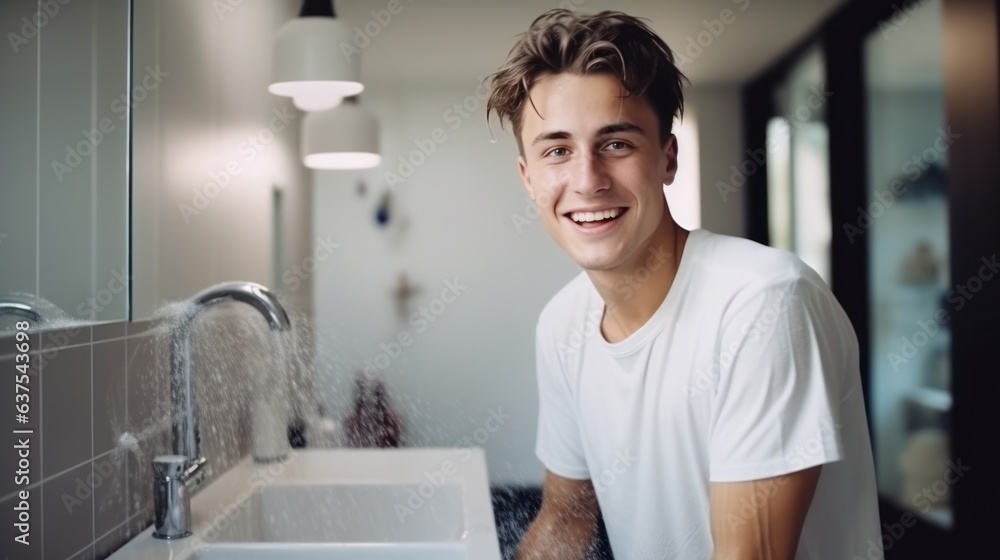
<point>309,64</point>
<point>345,137</point>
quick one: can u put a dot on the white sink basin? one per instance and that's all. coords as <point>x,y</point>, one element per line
<point>357,504</point>
<point>344,513</point>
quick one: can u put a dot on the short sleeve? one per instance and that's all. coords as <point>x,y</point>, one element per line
<point>776,408</point>
<point>558,446</point>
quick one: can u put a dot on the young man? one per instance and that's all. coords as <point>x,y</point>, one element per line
<point>701,391</point>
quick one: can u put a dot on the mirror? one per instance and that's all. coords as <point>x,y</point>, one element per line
<point>64,75</point>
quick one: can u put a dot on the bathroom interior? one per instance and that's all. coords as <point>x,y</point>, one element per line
<point>272,320</point>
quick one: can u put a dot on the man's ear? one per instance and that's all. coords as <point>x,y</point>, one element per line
<point>670,157</point>
<point>522,169</point>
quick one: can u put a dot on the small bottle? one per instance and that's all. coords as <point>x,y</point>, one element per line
<point>270,437</point>
<point>389,424</point>
<point>373,423</point>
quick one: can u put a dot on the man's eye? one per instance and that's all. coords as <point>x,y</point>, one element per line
<point>617,146</point>
<point>556,152</point>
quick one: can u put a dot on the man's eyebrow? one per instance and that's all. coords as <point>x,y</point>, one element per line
<point>607,130</point>
<point>619,127</point>
<point>554,135</point>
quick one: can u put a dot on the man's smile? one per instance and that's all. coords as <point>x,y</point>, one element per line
<point>598,218</point>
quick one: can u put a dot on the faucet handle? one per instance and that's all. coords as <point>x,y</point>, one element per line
<point>196,472</point>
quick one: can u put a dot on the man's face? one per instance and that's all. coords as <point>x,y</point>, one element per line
<point>595,167</point>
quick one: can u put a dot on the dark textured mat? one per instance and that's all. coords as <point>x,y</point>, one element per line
<point>515,507</point>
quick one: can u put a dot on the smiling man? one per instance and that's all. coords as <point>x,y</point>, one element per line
<point>701,391</point>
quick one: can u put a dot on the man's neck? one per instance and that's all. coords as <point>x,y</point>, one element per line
<point>633,292</point>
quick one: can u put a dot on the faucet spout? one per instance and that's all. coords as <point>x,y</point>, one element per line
<point>22,309</point>
<point>186,467</point>
<point>39,311</point>
<point>186,439</point>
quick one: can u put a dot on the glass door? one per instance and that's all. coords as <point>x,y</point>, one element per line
<point>798,177</point>
<point>905,226</point>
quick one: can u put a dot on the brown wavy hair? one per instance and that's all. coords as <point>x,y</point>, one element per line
<point>561,41</point>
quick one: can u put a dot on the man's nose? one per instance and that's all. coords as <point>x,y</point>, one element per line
<point>589,176</point>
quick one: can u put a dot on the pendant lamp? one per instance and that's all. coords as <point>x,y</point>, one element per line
<point>345,137</point>
<point>309,61</point>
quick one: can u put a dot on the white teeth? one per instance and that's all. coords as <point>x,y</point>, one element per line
<point>594,216</point>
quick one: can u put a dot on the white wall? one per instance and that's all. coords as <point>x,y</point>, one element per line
<point>210,121</point>
<point>719,114</point>
<point>465,218</point>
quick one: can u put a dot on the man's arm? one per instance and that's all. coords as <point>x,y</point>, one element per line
<point>566,524</point>
<point>761,519</point>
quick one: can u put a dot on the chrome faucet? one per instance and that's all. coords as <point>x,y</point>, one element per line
<point>33,308</point>
<point>175,475</point>
<point>23,309</point>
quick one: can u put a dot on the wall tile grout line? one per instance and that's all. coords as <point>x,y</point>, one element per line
<point>93,493</point>
<point>31,487</point>
<point>41,516</point>
<point>128,520</point>
<point>79,551</point>
<point>39,351</point>
<point>41,429</point>
<point>127,425</point>
<point>58,474</point>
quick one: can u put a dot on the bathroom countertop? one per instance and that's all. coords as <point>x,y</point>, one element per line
<point>222,502</point>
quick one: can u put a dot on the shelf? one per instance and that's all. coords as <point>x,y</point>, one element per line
<point>936,399</point>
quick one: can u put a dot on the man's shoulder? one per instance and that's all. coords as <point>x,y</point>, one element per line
<point>743,260</point>
<point>731,274</point>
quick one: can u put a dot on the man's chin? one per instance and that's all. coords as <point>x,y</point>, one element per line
<point>598,263</point>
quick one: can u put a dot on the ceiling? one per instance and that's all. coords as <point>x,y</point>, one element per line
<point>457,41</point>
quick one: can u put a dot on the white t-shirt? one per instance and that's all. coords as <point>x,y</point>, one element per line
<point>747,370</point>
